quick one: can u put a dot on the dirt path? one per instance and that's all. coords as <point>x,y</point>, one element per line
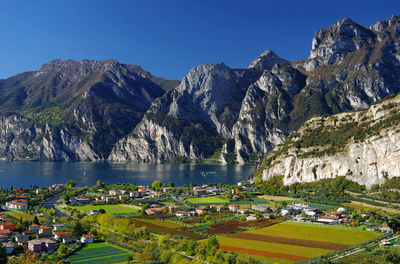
<point>132,206</point>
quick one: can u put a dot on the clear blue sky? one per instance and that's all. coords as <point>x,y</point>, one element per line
<point>169,37</point>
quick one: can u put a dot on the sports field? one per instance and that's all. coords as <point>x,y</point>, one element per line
<point>116,209</point>
<point>99,253</point>
<point>293,242</point>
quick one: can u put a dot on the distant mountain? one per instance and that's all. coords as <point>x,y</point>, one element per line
<point>93,102</point>
<point>237,115</point>
<point>362,145</point>
<point>106,110</point>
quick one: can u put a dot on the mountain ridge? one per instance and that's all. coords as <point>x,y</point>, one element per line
<point>216,113</point>
<point>349,67</point>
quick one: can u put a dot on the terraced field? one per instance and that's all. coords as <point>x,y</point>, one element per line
<point>292,242</point>
<point>99,253</point>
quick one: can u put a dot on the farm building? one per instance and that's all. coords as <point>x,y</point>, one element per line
<point>87,239</point>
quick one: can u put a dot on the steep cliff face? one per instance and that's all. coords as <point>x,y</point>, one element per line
<point>233,115</point>
<point>101,100</point>
<point>20,138</point>
<point>364,146</point>
<point>191,121</point>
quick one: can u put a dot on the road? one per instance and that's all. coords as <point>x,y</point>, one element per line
<point>359,250</point>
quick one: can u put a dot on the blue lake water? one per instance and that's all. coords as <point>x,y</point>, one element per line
<point>25,174</point>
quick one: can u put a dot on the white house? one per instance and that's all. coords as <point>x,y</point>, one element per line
<point>58,227</point>
<point>181,214</point>
<point>243,183</point>
<point>234,207</point>
<point>93,211</point>
<point>87,239</point>
<point>18,204</point>
<point>251,217</point>
<point>260,207</point>
<point>113,192</point>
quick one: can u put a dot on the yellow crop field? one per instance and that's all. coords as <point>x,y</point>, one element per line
<point>273,247</point>
<point>163,223</point>
<point>292,242</point>
<point>317,232</point>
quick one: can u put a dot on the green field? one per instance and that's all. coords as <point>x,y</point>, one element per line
<point>207,200</point>
<point>292,242</point>
<point>116,209</point>
<point>99,253</point>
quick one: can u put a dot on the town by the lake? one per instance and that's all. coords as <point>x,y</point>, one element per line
<point>249,222</point>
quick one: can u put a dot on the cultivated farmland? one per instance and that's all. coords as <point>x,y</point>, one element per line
<point>116,209</point>
<point>99,253</point>
<point>166,227</point>
<point>292,242</point>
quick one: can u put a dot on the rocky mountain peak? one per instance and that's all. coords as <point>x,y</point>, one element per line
<point>75,71</point>
<point>331,45</point>
<point>266,61</point>
<point>384,24</point>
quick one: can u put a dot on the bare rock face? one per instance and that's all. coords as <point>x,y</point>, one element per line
<point>370,151</point>
<point>266,61</point>
<point>331,45</point>
<point>191,121</point>
<point>21,139</point>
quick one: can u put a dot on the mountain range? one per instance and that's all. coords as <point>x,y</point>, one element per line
<point>104,110</point>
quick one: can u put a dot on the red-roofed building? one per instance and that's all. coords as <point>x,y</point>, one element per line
<point>17,204</point>
<point>151,211</point>
<point>5,232</point>
<point>234,207</point>
<point>87,239</point>
<point>7,226</point>
<point>59,235</point>
<point>34,227</point>
<point>45,231</point>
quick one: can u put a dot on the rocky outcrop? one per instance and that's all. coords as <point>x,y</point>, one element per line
<point>331,45</point>
<point>21,139</point>
<point>370,151</point>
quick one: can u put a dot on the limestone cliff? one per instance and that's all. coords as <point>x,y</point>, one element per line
<point>22,139</point>
<point>362,145</point>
